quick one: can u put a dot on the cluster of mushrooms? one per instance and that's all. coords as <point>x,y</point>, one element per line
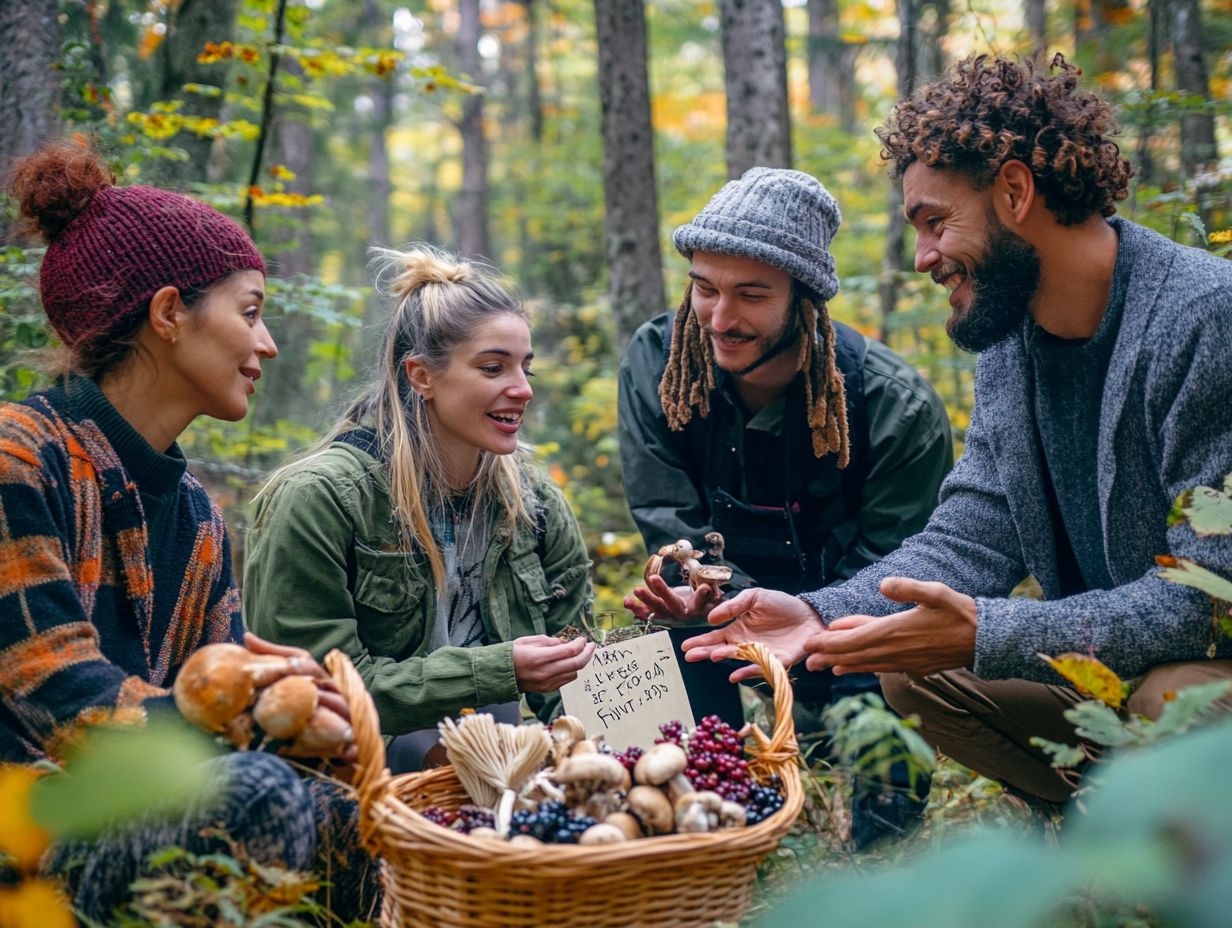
<point>506,767</point>
<point>694,572</point>
<point>226,689</point>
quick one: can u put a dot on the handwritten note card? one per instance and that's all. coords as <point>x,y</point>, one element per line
<point>628,690</point>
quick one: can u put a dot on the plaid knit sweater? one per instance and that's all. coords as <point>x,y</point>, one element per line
<point>83,639</point>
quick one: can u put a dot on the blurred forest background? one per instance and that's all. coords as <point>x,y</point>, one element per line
<point>563,140</point>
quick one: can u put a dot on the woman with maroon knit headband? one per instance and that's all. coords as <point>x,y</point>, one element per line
<point>115,566</point>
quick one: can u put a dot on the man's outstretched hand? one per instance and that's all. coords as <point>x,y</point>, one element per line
<point>780,621</point>
<point>937,633</point>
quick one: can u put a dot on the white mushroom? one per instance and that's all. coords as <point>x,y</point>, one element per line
<point>601,833</point>
<point>590,782</point>
<point>664,765</point>
<point>628,824</point>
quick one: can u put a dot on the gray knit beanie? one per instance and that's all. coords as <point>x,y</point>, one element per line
<point>783,218</point>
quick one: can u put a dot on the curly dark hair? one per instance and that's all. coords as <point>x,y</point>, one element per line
<point>986,112</point>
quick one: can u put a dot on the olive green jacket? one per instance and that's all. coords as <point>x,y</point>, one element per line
<point>323,571</point>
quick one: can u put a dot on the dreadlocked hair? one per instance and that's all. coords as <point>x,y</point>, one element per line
<point>689,376</point>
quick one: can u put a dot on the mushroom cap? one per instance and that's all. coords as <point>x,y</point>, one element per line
<point>652,809</point>
<point>284,707</point>
<point>710,573</point>
<point>325,735</point>
<point>214,686</point>
<point>660,763</point>
<point>732,815</point>
<point>525,841</point>
<point>602,769</point>
<point>568,727</point>
<point>602,833</point>
<point>691,815</point>
<point>627,823</point>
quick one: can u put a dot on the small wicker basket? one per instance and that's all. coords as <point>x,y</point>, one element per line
<point>434,876</point>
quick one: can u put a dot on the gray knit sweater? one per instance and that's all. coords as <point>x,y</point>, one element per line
<point>1165,426</point>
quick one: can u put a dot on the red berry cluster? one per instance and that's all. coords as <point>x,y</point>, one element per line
<point>464,819</point>
<point>629,756</point>
<point>716,757</point>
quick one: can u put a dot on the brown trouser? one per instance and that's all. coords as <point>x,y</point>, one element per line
<point>987,724</point>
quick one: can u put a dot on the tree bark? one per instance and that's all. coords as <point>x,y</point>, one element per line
<point>831,65</point>
<point>381,89</point>
<point>472,232</point>
<point>189,26</point>
<point>929,33</point>
<point>534,96</point>
<point>1154,42</point>
<point>1197,129</point>
<point>29,84</point>
<point>1037,24</point>
<point>631,209</point>
<point>755,69</point>
<point>892,263</point>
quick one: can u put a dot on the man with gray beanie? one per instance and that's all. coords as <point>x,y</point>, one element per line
<point>813,450</point>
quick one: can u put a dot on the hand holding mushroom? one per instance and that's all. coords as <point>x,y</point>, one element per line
<point>663,603</point>
<point>291,698</point>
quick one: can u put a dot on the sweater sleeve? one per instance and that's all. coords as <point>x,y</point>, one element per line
<point>53,674</point>
<point>296,592</point>
<point>1148,621</point>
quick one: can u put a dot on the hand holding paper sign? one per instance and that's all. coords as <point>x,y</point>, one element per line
<point>542,664</point>
<point>628,689</point>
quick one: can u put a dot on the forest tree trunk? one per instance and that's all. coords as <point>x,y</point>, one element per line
<point>189,26</point>
<point>472,232</point>
<point>1197,129</point>
<point>29,84</point>
<point>755,69</point>
<point>1037,24</point>
<point>892,264</point>
<point>631,210</point>
<point>831,65</point>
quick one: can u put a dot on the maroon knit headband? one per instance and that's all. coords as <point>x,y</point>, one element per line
<point>127,244</point>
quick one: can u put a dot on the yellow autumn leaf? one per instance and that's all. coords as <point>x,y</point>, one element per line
<point>20,836</point>
<point>1089,676</point>
<point>34,904</point>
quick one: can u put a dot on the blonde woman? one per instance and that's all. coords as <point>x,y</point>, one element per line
<point>418,537</point>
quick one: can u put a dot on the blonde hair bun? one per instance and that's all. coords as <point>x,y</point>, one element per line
<point>403,272</point>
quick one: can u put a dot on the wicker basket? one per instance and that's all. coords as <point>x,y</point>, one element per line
<point>437,877</point>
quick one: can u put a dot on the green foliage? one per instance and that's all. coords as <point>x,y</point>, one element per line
<point>1207,510</point>
<point>230,889</point>
<point>869,739</point>
<point>1157,834</point>
<point>116,774</point>
<point>23,327</point>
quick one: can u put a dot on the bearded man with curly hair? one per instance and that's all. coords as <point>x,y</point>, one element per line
<point>1103,391</point>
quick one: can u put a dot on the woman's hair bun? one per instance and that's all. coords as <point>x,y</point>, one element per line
<point>53,185</point>
<point>422,265</point>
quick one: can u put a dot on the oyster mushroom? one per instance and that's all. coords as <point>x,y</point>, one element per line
<point>567,731</point>
<point>732,815</point>
<point>691,814</point>
<point>218,682</point>
<point>285,706</point>
<point>652,809</point>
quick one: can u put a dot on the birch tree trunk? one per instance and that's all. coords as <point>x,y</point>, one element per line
<point>1197,129</point>
<point>755,69</point>
<point>631,210</point>
<point>831,65</point>
<point>472,209</point>
<point>29,87</point>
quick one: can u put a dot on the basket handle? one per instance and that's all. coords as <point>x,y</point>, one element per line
<point>781,747</point>
<point>372,779</point>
